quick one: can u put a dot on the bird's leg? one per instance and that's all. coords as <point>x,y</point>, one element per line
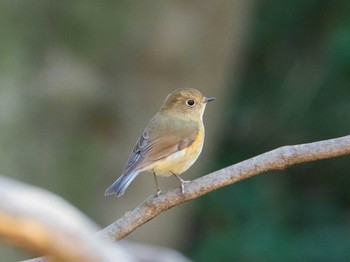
<point>182,181</point>
<point>155,178</point>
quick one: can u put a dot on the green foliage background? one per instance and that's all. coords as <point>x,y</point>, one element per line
<point>295,89</point>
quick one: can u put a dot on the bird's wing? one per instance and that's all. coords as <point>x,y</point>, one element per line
<point>157,143</point>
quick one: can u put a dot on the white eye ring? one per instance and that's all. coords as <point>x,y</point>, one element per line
<point>191,102</point>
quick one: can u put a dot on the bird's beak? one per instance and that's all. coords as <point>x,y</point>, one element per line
<point>208,99</point>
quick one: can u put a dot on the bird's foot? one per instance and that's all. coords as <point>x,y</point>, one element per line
<point>183,182</point>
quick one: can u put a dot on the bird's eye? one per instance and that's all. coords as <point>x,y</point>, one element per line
<point>190,102</point>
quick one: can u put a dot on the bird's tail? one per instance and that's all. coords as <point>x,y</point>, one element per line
<point>121,184</point>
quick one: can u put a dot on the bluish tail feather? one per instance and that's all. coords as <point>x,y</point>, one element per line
<point>122,183</point>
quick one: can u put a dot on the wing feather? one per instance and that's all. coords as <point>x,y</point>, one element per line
<point>157,143</point>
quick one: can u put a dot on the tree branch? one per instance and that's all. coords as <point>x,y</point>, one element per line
<point>277,159</point>
<point>36,220</point>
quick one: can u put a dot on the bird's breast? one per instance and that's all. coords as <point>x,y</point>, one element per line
<point>181,160</point>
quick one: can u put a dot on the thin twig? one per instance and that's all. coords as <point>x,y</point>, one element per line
<point>277,159</point>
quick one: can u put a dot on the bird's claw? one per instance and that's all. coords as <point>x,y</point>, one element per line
<point>183,182</point>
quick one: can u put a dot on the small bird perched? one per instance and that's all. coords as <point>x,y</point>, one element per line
<point>171,142</point>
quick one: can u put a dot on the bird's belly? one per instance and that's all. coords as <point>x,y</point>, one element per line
<point>180,161</point>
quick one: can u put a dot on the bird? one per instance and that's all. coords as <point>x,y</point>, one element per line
<point>170,143</point>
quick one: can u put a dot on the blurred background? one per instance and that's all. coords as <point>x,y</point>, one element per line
<point>79,80</point>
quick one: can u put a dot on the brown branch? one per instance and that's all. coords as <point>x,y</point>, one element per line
<point>277,159</point>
